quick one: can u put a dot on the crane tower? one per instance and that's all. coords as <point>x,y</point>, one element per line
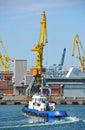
<point>76,44</point>
<point>4,61</point>
<point>62,59</point>
<point>39,70</point>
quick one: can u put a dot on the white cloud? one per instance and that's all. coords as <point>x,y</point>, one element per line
<point>35,5</point>
<point>17,8</point>
<point>46,5</point>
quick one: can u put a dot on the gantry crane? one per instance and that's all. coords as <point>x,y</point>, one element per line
<point>76,44</point>
<point>4,61</point>
<point>39,70</point>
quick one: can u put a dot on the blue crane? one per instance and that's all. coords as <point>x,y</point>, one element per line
<point>62,59</point>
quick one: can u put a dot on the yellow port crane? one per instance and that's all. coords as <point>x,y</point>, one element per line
<point>38,70</point>
<point>4,61</point>
<point>76,44</point>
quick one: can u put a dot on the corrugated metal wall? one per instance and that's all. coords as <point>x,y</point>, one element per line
<point>74,91</point>
<point>28,79</point>
<point>20,69</point>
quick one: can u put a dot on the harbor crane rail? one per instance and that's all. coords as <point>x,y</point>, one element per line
<point>76,44</point>
<point>39,70</point>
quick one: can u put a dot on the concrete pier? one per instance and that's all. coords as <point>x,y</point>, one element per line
<point>14,100</point>
<point>22,100</point>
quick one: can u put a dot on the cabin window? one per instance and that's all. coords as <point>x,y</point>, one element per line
<point>43,100</point>
<point>38,100</point>
<point>33,99</point>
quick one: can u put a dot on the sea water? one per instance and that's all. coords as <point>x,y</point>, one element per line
<point>12,118</point>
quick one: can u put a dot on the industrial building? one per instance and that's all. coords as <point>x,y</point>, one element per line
<point>11,83</point>
<point>20,69</point>
<point>71,86</point>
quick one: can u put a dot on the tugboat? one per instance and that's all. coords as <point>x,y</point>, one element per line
<point>40,107</point>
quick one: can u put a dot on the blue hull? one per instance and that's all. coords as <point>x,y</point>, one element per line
<point>52,114</point>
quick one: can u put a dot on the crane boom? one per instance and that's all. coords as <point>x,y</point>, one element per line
<point>62,59</point>
<point>41,42</point>
<point>3,47</point>
<point>4,61</point>
<point>76,44</point>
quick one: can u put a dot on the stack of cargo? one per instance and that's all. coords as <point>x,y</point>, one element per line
<point>6,86</point>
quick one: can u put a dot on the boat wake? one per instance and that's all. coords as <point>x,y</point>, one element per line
<point>37,121</point>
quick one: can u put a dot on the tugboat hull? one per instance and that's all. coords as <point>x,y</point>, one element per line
<point>52,114</point>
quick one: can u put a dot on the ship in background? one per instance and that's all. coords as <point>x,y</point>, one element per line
<point>69,82</point>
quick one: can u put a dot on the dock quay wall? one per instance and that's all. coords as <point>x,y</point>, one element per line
<point>13,102</point>
<point>23,100</point>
